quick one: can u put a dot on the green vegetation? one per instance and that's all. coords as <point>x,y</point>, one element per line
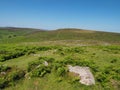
<point>24,53</point>
<point>9,75</point>
<point>15,35</point>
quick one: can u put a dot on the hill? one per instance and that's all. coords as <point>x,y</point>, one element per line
<point>35,59</point>
<point>13,35</point>
<point>6,32</point>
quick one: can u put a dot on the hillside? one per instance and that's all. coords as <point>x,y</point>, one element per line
<point>35,59</point>
<point>22,67</point>
<point>13,35</point>
<point>9,32</point>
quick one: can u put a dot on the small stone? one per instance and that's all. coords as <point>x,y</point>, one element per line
<point>45,63</point>
<point>3,73</point>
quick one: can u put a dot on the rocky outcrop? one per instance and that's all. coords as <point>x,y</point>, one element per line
<point>86,77</point>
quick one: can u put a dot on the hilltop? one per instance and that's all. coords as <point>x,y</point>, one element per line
<point>15,35</point>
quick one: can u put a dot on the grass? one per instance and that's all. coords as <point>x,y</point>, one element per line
<point>97,54</point>
<point>20,62</point>
<point>67,35</point>
<point>98,50</point>
<point>49,82</point>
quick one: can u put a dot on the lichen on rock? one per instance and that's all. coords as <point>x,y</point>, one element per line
<point>86,77</point>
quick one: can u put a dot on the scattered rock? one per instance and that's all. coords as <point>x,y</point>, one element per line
<point>3,73</point>
<point>86,77</point>
<point>45,63</point>
<point>27,76</point>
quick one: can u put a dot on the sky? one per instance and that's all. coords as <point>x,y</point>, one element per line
<point>102,15</point>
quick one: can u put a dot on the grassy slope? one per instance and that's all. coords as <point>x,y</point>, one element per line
<point>70,35</point>
<point>101,58</point>
<point>99,55</point>
<point>14,34</point>
<point>75,34</point>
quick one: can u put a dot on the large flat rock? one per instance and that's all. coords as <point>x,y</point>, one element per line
<point>86,77</point>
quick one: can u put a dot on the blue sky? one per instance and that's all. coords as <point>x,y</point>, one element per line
<point>52,14</point>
